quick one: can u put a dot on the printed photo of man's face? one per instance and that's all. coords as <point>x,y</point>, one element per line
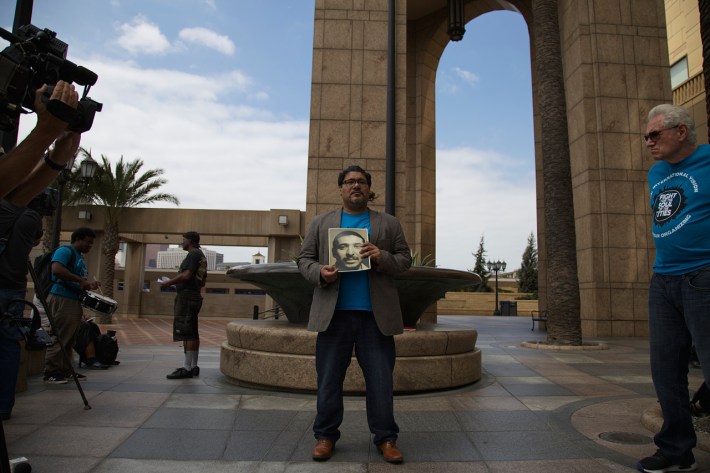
<point>346,245</point>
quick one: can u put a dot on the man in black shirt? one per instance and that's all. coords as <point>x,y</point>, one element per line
<point>191,278</point>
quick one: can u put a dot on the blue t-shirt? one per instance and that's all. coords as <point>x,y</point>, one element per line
<point>354,293</point>
<point>63,255</point>
<point>680,201</point>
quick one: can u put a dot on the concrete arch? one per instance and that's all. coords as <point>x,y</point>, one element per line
<point>615,62</point>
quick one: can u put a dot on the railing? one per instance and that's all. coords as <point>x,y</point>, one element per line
<point>689,89</point>
<point>276,311</point>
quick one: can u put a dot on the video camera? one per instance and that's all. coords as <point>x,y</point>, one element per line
<point>37,57</point>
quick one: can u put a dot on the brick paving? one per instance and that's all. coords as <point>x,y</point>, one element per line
<point>158,331</point>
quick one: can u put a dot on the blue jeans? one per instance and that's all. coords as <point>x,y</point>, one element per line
<point>9,347</point>
<point>679,316</point>
<point>376,355</point>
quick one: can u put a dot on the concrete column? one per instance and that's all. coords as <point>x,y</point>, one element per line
<point>134,275</point>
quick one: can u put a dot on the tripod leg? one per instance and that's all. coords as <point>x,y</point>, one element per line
<point>67,356</point>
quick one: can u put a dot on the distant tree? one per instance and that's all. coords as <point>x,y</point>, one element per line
<point>527,274</point>
<point>480,267</point>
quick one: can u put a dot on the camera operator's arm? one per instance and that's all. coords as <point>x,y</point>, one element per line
<point>26,156</point>
<point>43,175</point>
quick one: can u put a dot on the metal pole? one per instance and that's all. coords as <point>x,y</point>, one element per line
<point>497,310</point>
<point>391,95</point>
<point>23,16</point>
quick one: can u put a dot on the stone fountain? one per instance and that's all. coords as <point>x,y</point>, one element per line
<point>280,354</point>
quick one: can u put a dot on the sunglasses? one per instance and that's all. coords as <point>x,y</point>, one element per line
<point>654,135</point>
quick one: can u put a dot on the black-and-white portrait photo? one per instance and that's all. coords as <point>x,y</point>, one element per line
<point>345,244</point>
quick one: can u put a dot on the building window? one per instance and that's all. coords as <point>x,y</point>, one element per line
<point>217,290</point>
<point>249,292</point>
<point>679,72</point>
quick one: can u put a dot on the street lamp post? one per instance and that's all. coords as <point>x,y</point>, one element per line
<point>87,170</point>
<point>496,266</point>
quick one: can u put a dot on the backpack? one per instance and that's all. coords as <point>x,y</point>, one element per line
<point>106,349</point>
<point>106,346</point>
<point>43,270</point>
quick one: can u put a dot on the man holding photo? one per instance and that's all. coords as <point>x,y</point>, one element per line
<point>355,309</point>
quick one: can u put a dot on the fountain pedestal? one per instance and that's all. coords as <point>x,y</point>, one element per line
<point>280,354</point>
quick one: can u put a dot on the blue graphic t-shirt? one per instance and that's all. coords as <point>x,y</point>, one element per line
<point>680,202</point>
<point>354,293</point>
<point>63,255</point>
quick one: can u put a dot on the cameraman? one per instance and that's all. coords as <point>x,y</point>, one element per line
<point>24,174</point>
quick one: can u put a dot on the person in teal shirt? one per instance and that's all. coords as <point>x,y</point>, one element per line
<point>71,278</point>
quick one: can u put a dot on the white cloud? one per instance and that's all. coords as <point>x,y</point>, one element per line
<point>217,154</point>
<point>475,197</point>
<point>471,78</point>
<point>208,38</point>
<point>142,36</point>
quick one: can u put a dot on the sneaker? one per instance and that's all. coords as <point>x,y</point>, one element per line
<point>180,373</point>
<point>93,365</point>
<point>55,379</point>
<point>80,376</point>
<point>660,464</point>
<point>195,371</point>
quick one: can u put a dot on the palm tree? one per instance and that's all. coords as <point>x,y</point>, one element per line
<point>563,302</point>
<point>704,7</point>
<point>117,189</point>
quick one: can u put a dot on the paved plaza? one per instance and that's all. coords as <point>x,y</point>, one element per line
<point>532,411</point>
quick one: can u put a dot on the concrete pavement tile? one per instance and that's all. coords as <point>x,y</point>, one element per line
<point>247,445</point>
<point>173,444</point>
<point>525,445</point>
<point>526,390</point>
<point>427,421</point>
<point>118,416</point>
<point>62,464</point>
<point>191,419</point>
<point>506,380</point>
<point>123,465</point>
<point>276,402</point>
<point>507,403</point>
<point>435,447</point>
<point>202,401</point>
<point>70,441</point>
<point>430,467</point>
<point>500,421</point>
<point>110,398</point>
<point>425,403</point>
<point>547,403</point>
<point>566,466</point>
<point>607,389</point>
<point>254,420</point>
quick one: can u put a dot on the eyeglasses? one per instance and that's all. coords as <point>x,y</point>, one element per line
<point>352,182</point>
<point>654,135</point>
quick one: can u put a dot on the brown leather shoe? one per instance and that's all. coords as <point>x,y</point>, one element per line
<point>390,452</point>
<point>323,449</point>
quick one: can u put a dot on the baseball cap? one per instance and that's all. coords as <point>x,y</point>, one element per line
<point>192,236</point>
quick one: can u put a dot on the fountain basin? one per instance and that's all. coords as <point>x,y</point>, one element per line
<point>419,287</point>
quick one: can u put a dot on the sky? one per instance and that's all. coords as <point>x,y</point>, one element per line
<point>217,94</point>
